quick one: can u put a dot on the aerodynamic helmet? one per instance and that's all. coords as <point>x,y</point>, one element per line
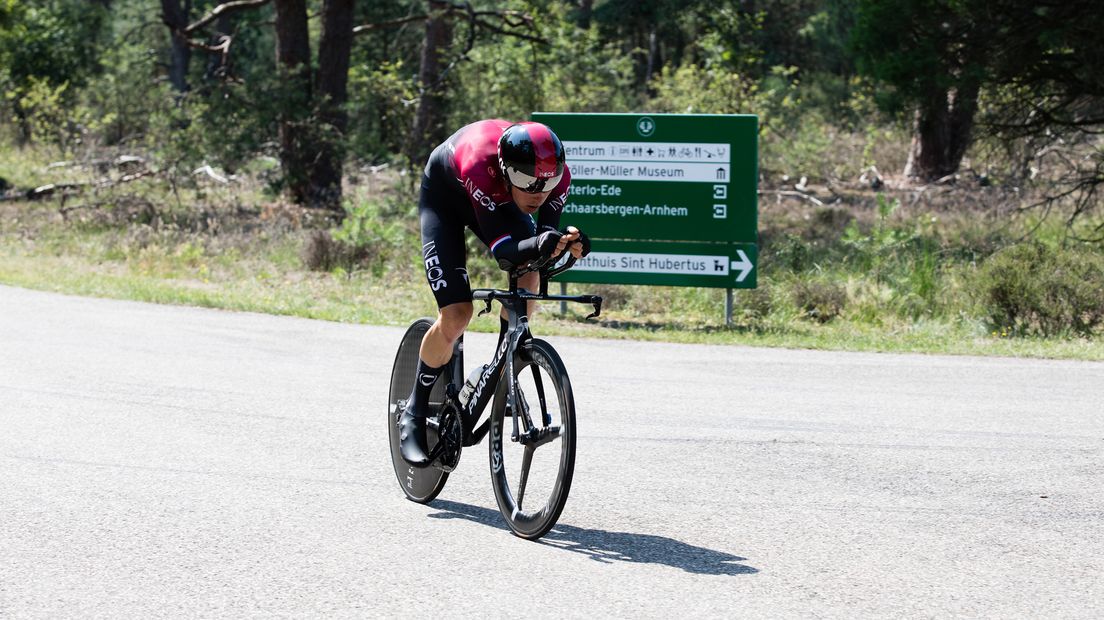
<point>531,157</point>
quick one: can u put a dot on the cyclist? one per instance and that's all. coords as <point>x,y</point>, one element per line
<point>508,183</point>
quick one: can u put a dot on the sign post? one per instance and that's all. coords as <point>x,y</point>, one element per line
<point>667,199</point>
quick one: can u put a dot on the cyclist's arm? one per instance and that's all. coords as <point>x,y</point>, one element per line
<point>511,253</point>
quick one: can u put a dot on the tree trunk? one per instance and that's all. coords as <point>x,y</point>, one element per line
<point>333,77</point>
<point>428,128</point>
<point>174,13</point>
<point>293,64</point>
<point>943,131</point>
<point>586,7</point>
<point>653,52</point>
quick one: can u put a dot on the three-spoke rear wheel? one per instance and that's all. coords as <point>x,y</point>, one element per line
<point>531,480</point>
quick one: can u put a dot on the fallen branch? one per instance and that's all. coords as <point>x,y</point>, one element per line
<point>210,172</point>
<point>50,189</point>
<point>125,179</point>
<point>44,191</point>
<point>792,194</point>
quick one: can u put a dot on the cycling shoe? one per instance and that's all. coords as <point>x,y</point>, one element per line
<point>412,438</point>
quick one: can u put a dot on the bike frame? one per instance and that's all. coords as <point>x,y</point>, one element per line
<point>515,302</point>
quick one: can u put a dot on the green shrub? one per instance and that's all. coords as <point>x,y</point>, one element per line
<point>1034,289</point>
<point>370,236</point>
<point>321,252</point>
<point>820,301</point>
<point>755,304</point>
<point>790,253</point>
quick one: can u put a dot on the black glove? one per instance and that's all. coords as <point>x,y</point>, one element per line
<point>583,239</point>
<point>547,242</point>
<point>510,254</point>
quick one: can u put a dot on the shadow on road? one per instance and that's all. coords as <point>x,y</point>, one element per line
<point>609,547</point>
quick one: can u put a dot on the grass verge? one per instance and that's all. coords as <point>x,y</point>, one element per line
<point>361,297</point>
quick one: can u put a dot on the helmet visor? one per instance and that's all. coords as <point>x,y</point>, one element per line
<point>530,184</point>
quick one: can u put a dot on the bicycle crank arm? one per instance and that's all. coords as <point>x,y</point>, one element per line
<point>435,453</point>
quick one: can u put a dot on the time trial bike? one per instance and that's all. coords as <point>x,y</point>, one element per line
<point>529,386</point>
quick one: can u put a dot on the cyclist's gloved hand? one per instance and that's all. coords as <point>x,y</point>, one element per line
<point>584,241</point>
<point>510,253</point>
<point>581,238</point>
<point>547,242</point>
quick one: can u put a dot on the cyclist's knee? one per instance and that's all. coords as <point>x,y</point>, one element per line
<point>530,281</point>
<point>454,319</point>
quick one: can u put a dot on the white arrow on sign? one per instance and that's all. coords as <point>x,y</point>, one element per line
<point>743,265</point>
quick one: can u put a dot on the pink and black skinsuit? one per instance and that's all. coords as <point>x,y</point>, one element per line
<point>463,186</point>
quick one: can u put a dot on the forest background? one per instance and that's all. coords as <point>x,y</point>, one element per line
<point>929,169</point>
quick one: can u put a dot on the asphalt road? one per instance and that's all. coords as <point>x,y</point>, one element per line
<point>166,461</point>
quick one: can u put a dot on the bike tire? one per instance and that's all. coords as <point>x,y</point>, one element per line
<point>420,485</point>
<point>532,524</point>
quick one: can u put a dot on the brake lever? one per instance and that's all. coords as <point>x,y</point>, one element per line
<point>597,310</point>
<point>486,310</point>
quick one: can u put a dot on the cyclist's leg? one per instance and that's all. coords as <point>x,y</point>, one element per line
<point>438,343</point>
<point>443,255</point>
<point>531,282</point>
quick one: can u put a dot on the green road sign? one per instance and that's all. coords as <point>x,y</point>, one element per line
<point>685,179</point>
<point>718,265</point>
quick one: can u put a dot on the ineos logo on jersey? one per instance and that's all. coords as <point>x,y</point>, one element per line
<point>479,196</point>
<point>558,202</point>
<point>434,273</point>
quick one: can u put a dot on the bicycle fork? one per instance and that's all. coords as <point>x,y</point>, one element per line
<point>524,431</point>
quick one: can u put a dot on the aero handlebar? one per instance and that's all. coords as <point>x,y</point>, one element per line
<point>489,295</point>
